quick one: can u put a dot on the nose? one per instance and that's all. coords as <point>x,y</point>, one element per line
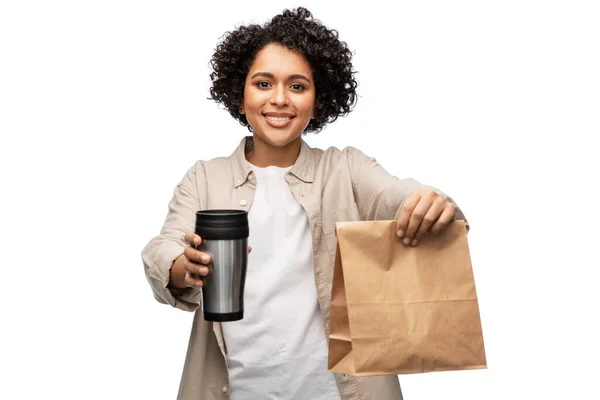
<point>280,97</point>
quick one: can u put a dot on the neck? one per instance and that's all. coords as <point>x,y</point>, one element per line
<point>264,154</point>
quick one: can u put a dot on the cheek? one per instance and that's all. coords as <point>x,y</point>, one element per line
<point>254,98</point>
<point>310,110</point>
<point>306,105</point>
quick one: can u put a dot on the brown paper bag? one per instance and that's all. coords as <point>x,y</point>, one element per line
<point>397,309</point>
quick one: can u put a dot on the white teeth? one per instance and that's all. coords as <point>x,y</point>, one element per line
<point>271,118</point>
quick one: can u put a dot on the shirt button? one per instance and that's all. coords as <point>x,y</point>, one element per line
<point>225,389</point>
<point>243,203</point>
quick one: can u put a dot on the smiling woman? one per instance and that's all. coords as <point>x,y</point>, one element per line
<point>291,76</point>
<point>281,80</point>
<point>278,102</point>
<point>328,59</point>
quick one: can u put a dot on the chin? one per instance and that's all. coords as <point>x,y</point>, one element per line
<point>278,140</point>
<point>278,137</point>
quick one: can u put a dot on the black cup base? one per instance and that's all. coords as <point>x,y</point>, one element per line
<point>234,316</point>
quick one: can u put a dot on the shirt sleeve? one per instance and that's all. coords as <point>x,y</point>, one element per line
<point>380,195</point>
<point>162,250</point>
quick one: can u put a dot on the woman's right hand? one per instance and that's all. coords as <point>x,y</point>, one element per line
<point>196,263</point>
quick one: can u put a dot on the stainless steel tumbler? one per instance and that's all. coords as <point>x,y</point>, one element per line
<point>224,236</point>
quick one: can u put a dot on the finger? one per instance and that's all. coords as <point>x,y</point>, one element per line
<point>416,218</point>
<point>448,215</point>
<point>193,239</point>
<point>407,208</point>
<point>196,256</point>
<point>194,268</point>
<point>431,216</point>
<point>190,267</point>
<point>193,280</point>
<point>197,269</point>
<point>249,249</point>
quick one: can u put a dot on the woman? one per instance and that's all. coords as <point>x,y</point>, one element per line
<point>280,80</point>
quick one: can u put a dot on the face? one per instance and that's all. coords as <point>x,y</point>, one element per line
<point>279,95</point>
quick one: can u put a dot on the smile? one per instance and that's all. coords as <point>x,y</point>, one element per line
<point>277,121</point>
<point>277,118</point>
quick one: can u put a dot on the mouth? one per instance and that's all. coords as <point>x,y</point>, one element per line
<point>278,120</point>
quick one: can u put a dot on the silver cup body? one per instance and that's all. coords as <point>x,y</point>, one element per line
<point>223,292</point>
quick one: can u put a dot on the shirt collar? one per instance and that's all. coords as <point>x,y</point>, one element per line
<point>303,168</point>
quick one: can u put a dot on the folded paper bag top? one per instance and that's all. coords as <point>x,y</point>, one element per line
<point>397,309</point>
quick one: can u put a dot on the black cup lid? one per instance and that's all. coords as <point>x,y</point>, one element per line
<point>222,218</point>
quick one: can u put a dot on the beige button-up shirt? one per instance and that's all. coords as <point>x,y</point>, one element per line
<point>331,185</point>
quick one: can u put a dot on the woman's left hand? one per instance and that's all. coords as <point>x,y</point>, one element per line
<point>424,211</point>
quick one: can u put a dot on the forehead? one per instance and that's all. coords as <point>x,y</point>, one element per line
<point>279,60</point>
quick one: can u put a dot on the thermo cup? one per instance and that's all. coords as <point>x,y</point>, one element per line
<point>224,236</point>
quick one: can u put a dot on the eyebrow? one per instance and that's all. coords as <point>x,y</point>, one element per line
<point>270,75</point>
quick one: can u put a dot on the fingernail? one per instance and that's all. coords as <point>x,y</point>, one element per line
<point>205,259</point>
<point>400,233</point>
<point>406,241</point>
<point>415,242</point>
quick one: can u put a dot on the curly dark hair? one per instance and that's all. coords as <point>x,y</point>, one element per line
<point>329,58</point>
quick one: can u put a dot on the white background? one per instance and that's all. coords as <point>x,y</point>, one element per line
<point>103,108</point>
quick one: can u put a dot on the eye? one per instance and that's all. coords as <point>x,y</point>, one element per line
<point>297,86</point>
<point>263,84</point>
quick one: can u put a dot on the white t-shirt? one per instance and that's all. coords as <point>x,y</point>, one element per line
<point>279,349</point>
